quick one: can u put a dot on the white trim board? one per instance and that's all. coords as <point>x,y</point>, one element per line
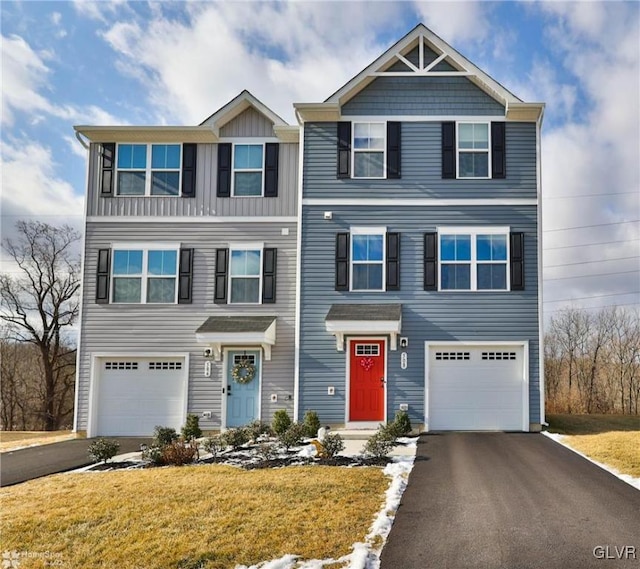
<point>412,202</point>
<point>191,219</point>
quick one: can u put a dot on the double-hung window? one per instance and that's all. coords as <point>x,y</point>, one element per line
<point>367,258</point>
<point>245,272</point>
<point>369,147</point>
<point>474,258</point>
<point>248,169</point>
<point>142,275</point>
<point>473,150</point>
<point>148,169</point>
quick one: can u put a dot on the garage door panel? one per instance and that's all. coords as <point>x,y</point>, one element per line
<point>136,394</point>
<point>476,388</point>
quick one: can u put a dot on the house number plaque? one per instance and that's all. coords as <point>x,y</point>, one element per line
<point>403,360</point>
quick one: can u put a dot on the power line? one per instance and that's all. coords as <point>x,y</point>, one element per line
<point>589,276</point>
<point>591,307</point>
<point>594,296</point>
<point>590,262</point>
<point>586,196</point>
<point>590,244</point>
<point>590,226</point>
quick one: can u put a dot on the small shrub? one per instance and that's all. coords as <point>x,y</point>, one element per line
<point>258,429</point>
<point>214,445</point>
<point>402,423</point>
<point>281,421</point>
<point>103,450</point>
<point>268,451</point>
<point>380,444</point>
<point>292,436</point>
<point>333,444</point>
<point>163,436</point>
<point>235,438</point>
<point>311,423</point>
<point>153,454</point>
<point>179,452</point>
<point>191,429</point>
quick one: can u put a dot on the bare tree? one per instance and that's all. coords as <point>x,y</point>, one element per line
<point>41,303</point>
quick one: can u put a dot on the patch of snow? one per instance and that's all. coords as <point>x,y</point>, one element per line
<point>308,451</point>
<point>285,562</point>
<point>631,480</point>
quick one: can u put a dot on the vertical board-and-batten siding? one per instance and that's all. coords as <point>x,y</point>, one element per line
<point>421,166</point>
<point>137,328</point>
<point>434,316</point>
<point>248,123</point>
<point>205,203</point>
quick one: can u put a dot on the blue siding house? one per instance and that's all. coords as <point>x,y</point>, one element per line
<point>420,247</point>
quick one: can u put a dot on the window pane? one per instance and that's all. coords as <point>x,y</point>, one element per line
<point>127,262</point>
<point>245,290</point>
<point>132,156</point>
<point>247,156</point>
<point>162,262</point>
<point>369,136</point>
<point>359,247</point>
<point>375,247</point>
<point>361,135</point>
<point>161,290</point>
<point>465,136</point>
<point>455,277</point>
<point>367,247</point>
<point>448,247</point>
<point>131,183</point>
<point>492,276</point>
<point>165,156</point>
<point>126,289</point>
<point>245,263</point>
<point>474,164</point>
<point>368,165</point>
<point>248,184</point>
<point>463,247</point>
<point>492,247</point>
<point>367,276</point>
<point>481,136</point>
<point>125,155</point>
<point>165,183</point>
<point>483,244</point>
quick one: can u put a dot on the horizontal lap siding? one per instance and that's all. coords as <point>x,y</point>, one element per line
<point>147,328</point>
<point>421,167</point>
<point>206,203</point>
<point>435,316</point>
<point>417,95</point>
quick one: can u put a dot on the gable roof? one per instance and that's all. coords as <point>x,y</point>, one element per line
<point>420,37</point>
<point>238,105</point>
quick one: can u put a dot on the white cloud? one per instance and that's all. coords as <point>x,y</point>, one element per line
<point>25,77</point>
<point>457,22</point>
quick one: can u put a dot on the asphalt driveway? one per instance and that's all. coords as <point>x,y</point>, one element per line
<point>28,463</point>
<point>512,501</point>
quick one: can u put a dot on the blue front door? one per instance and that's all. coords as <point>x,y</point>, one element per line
<point>242,398</point>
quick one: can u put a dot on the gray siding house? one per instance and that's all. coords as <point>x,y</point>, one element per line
<point>188,302</point>
<point>420,242</point>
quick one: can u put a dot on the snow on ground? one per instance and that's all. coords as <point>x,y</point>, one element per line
<point>632,480</point>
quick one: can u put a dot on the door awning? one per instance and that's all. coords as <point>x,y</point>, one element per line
<point>366,319</point>
<point>219,331</point>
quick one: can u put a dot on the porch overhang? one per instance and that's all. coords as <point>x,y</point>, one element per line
<point>364,319</point>
<point>220,331</point>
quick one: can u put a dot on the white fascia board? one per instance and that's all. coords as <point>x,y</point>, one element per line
<point>317,112</point>
<point>524,112</point>
<point>287,133</point>
<point>217,340</point>
<point>413,202</point>
<point>147,134</point>
<point>189,218</point>
<point>364,326</point>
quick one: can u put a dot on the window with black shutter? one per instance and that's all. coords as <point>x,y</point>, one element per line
<point>516,255</point>
<point>221,276</point>
<point>342,261</point>
<point>431,261</point>
<point>223,189</point>
<point>269,266</point>
<point>393,261</point>
<point>103,274</point>
<point>185,276</point>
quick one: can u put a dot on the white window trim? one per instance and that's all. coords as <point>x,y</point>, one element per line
<point>368,231</point>
<point>354,151</point>
<point>473,150</point>
<point>148,170</point>
<point>473,232</point>
<point>246,247</point>
<point>234,170</point>
<point>144,276</point>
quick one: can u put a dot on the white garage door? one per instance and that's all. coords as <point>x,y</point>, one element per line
<point>476,388</point>
<point>136,394</point>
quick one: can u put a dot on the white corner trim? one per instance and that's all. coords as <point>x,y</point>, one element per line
<point>413,202</point>
<point>298,282</point>
<point>191,218</point>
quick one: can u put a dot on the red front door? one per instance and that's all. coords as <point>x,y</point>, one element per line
<point>366,380</point>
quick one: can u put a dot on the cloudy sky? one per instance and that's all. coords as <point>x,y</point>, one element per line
<point>66,63</point>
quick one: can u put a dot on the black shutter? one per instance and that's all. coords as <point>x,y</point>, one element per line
<point>224,170</point>
<point>272,151</point>
<point>102,276</point>
<point>448,150</point>
<point>185,276</point>
<point>393,261</point>
<point>189,159</point>
<point>222,267</point>
<point>269,263</point>
<point>498,150</point>
<point>516,254</point>
<point>393,150</point>
<point>108,155</point>
<point>431,261</point>
<point>342,261</point>
<point>344,149</point>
